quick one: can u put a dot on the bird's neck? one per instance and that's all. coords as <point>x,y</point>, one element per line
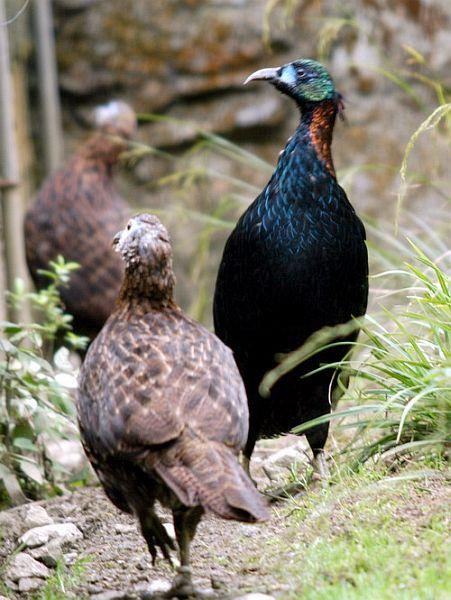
<point>313,136</point>
<point>103,149</point>
<point>148,289</point>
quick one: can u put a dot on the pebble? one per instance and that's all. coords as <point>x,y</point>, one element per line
<point>70,558</point>
<point>24,565</point>
<point>120,528</point>
<point>36,516</point>
<point>158,586</point>
<point>170,530</point>
<point>28,584</point>
<point>111,595</point>
<point>49,554</point>
<point>254,596</point>
<point>65,532</point>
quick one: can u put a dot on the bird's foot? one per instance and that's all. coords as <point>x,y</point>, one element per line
<point>182,586</point>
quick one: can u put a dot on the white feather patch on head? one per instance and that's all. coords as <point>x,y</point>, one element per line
<point>109,113</point>
<point>288,75</point>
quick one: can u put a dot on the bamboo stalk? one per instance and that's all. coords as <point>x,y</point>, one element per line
<point>48,84</point>
<point>12,208</point>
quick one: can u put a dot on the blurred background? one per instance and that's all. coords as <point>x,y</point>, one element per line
<point>185,61</point>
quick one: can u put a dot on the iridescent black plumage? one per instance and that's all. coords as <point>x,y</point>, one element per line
<point>295,262</point>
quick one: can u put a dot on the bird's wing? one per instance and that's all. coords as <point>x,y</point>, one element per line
<point>143,382</point>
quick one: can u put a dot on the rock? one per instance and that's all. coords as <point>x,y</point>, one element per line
<point>10,521</point>
<point>12,585</point>
<point>157,586</point>
<point>49,554</point>
<point>23,566</point>
<point>36,516</point>
<point>254,596</point>
<point>170,530</point>
<point>123,528</point>
<point>70,558</point>
<point>65,532</point>
<point>28,584</point>
<point>111,595</point>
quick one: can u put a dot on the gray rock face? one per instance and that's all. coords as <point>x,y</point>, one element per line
<point>65,532</point>
<point>25,566</point>
<point>36,516</point>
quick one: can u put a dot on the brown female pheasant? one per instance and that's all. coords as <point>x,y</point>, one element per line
<point>162,408</point>
<point>76,213</point>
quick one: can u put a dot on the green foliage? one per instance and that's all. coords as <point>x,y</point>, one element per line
<point>369,536</point>
<point>35,400</point>
<point>64,580</point>
<point>401,398</point>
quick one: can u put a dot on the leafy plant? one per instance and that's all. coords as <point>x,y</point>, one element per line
<point>35,400</point>
<point>401,399</point>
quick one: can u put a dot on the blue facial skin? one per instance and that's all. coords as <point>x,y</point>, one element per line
<point>306,81</point>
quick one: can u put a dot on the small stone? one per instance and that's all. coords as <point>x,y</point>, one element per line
<point>148,591</point>
<point>111,595</point>
<point>254,596</point>
<point>28,584</point>
<point>70,558</point>
<point>158,586</point>
<point>170,530</point>
<point>123,528</point>
<point>11,585</point>
<point>11,522</point>
<point>23,565</point>
<point>49,554</point>
<point>36,516</point>
<point>143,563</point>
<point>65,532</point>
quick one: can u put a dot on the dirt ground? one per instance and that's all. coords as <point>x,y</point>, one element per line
<point>229,559</point>
<point>225,554</point>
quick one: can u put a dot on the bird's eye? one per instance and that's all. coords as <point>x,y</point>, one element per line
<point>129,226</point>
<point>301,73</point>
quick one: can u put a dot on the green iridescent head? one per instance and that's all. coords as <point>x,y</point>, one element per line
<point>305,80</point>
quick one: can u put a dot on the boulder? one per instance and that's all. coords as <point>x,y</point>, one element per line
<point>25,566</point>
<point>36,516</point>
<point>65,532</point>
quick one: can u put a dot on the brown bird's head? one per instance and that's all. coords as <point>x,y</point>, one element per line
<point>116,118</point>
<point>145,247</point>
<point>116,124</point>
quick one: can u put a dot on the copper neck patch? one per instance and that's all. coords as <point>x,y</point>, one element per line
<point>321,124</point>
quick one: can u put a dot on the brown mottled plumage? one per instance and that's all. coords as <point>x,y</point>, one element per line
<point>162,408</point>
<point>76,213</point>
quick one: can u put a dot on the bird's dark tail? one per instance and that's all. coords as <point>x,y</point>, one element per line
<point>207,473</point>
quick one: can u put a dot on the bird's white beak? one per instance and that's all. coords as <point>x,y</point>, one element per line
<point>263,74</point>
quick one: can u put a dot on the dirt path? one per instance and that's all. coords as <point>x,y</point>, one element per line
<point>225,554</point>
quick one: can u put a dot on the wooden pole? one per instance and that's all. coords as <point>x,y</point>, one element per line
<point>48,84</point>
<point>12,208</point>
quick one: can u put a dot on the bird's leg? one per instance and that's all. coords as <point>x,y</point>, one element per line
<point>185,523</point>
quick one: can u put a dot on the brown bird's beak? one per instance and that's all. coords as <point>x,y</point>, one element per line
<point>263,74</point>
<point>116,239</point>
